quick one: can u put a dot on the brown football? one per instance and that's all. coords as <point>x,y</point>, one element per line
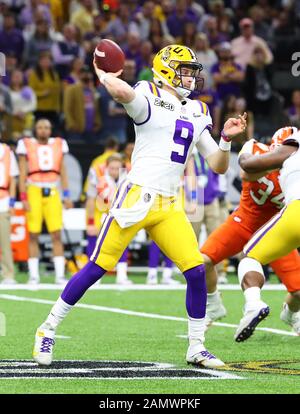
<point>109,56</point>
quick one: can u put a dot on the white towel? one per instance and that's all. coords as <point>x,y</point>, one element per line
<point>126,217</point>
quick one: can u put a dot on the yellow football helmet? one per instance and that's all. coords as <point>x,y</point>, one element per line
<point>168,68</point>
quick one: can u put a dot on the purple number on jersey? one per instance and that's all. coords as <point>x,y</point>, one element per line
<point>183,135</point>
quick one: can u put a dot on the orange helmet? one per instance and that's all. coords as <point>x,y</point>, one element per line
<point>282,134</point>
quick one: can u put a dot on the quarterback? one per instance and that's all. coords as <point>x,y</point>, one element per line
<point>277,238</point>
<point>261,199</point>
<point>167,126</point>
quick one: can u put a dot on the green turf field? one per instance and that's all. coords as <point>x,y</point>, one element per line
<point>267,363</point>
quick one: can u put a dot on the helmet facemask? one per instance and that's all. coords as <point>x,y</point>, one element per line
<point>183,70</point>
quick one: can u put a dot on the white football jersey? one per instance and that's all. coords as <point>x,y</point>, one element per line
<point>167,130</point>
<point>289,178</point>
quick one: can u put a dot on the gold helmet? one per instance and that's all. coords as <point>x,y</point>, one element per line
<point>169,66</point>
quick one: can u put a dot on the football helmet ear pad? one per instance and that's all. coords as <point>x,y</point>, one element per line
<point>168,68</point>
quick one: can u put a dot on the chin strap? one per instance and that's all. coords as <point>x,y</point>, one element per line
<point>181,91</point>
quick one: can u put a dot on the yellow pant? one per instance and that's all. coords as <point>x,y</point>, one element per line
<point>44,208</point>
<point>277,237</point>
<point>166,224</point>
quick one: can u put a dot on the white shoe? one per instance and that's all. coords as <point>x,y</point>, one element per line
<point>250,320</point>
<point>291,318</point>
<point>152,280</point>
<point>43,346</point>
<point>32,281</point>
<point>170,281</point>
<point>198,355</point>
<point>214,312</point>
<point>8,282</point>
<point>124,282</point>
<point>222,280</point>
<point>62,281</point>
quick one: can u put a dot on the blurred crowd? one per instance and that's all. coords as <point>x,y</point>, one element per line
<point>48,47</point>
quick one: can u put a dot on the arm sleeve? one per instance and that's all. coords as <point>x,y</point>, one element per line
<point>206,145</point>
<point>92,184</point>
<point>14,169</point>
<point>139,108</point>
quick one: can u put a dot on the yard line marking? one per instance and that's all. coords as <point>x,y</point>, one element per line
<point>135,313</point>
<point>109,286</point>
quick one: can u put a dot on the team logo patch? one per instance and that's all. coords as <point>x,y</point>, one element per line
<point>147,197</point>
<point>164,104</point>
<point>101,370</point>
<point>289,367</point>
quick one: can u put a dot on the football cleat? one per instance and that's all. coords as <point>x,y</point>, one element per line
<point>43,346</point>
<point>170,281</point>
<point>152,280</point>
<point>61,281</point>
<point>250,320</point>
<point>291,318</point>
<point>124,282</point>
<point>198,355</point>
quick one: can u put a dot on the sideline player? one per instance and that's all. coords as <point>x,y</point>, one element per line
<point>261,198</point>
<point>8,172</point>
<point>41,163</point>
<point>278,237</point>
<point>102,183</point>
<point>167,126</point>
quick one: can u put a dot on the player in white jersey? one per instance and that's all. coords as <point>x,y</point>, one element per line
<point>167,126</point>
<point>278,237</point>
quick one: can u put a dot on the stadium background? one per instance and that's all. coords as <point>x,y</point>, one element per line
<point>48,47</point>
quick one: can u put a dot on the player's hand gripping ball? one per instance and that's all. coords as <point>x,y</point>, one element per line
<point>108,56</point>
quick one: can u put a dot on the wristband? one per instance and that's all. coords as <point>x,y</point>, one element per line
<point>224,145</point>
<point>224,136</point>
<point>23,196</point>
<point>90,221</point>
<point>12,201</point>
<point>102,78</point>
<point>194,195</point>
<point>66,193</point>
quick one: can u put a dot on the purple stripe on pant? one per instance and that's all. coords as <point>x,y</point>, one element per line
<point>264,232</point>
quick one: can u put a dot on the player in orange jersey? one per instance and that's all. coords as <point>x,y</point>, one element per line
<point>261,199</point>
<point>41,162</point>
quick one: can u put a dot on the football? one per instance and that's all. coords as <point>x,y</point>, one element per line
<point>109,56</point>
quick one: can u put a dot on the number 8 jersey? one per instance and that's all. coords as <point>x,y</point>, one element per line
<point>44,160</point>
<point>166,131</point>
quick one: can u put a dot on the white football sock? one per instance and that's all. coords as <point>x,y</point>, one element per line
<point>59,266</point>
<point>196,328</point>
<point>213,298</point>
<point>152,273</point>
<point>252,297</point>
<point>57,314</point>
<point>122,271</point>
<point>33,267</point>
<point>167,273</point>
